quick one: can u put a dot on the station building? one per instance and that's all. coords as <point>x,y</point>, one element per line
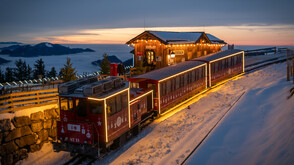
<point>157,49</point>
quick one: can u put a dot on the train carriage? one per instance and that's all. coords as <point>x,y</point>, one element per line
<point>173,83</point>
<point>96,114</point>
<point>223,65</point>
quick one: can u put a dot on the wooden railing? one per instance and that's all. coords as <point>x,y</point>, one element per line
<point>21,100</point>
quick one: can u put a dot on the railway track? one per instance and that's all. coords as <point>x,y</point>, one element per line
<point>87,160</point>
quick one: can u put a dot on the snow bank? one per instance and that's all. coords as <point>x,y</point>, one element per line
<point>259,130</point>
<point>46,156</point>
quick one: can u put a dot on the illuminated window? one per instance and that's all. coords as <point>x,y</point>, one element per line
<point>66,104</point>
<point>111,109</point>
<point>150,56</point>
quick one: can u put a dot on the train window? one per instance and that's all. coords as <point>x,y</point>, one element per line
<point>124,100</point>
<point>118,103</point>
<point>177,82</point>
<point>173,84</point>
<point>135,85</point>
<point>215,67</point>
<point>66,104</point>
<point>96,107</point>
<point>182,81</point>
<point>190,76</point>
<point>111,109</point>
<point>185,79</point>
<point>162,89</point>
<point>154,88</point>
<point>81,107</point>
<point>200,73</point>
<point>168,86</point>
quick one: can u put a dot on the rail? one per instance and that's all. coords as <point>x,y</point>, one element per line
<point>17,101</point>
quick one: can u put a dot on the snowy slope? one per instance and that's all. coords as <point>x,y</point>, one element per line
<point>259,130</point>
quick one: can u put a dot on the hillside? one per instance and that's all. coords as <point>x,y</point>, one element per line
<point>42,49</point>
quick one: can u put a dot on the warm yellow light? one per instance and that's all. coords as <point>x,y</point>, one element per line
<point>205,76</point>
<point>105,116</point>
<point>158,91</point>
<point>209,77</point>
<point>100,99</point>
<point>243,62</point>
<point>129,108</point>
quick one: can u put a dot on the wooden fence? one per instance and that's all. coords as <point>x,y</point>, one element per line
<point>21,100</point>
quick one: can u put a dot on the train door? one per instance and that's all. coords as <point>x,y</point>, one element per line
<point>81,109</point>
<point>96,116</point>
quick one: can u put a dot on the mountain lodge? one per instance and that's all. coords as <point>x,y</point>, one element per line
<point>157,49</point>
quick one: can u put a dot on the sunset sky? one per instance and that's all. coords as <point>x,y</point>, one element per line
<point>248,22</point>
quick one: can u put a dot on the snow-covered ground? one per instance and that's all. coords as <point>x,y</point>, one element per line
<point>171,140</point>
<point>259,128</point>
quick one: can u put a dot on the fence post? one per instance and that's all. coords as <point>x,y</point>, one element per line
<point>11,100</point>
<point>38,97</point>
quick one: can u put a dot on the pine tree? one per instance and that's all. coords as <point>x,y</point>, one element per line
<point>39,69</point>
<point>68,73</point>
<point>8,75</point>
<point>20,70</point>
<point>52,72</point>
<point>105,65</point>
<point>2,77</point>
<point>28,73</point>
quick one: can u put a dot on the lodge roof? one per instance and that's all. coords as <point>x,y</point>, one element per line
<point>179,37</point>
<point>168,71</point>
<point>217,55</point>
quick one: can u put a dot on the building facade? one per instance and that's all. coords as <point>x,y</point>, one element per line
<point>157,49</point>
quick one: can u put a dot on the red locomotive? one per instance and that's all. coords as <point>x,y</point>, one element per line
<point>95,115</point>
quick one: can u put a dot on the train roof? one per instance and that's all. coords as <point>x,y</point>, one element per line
<point>217,55</point>
<point>168,71</point>
<point>93,87</point>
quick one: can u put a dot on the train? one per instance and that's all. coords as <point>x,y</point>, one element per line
<point>97,115</point>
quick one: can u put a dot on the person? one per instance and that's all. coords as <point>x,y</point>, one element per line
<point>121,69</point>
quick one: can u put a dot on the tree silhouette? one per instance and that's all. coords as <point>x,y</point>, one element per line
<point>2,77</point>
<point>105,65</point>
<point>68,73</point>
<point>22,70</point>
<point>52,72</point>
<point>8,75</point>
<point>39,68</point>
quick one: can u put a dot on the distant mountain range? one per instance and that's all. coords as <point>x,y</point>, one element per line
<point>10,43</point>
<point>114,59</point>
<point>41,49</point>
